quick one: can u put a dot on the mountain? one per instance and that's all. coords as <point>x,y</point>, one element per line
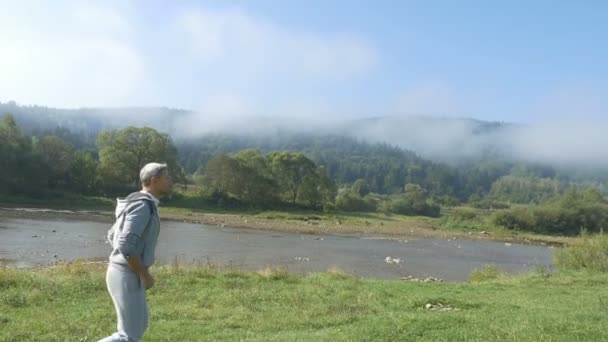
<point>446,139</point>
<point>439,138</point>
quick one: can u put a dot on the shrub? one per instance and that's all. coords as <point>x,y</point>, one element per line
<point>567,214</point>
<point>405,206</point>
<point>516,219</point>
<point>350,201</point>
<point>463,214</point>
<point>590,254</point>
<point>485,273</point>
<point>489,204</point>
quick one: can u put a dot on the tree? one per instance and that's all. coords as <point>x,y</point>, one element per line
<point>240,178</point>
<point>122,153</point>
<point>259,188</point>
<point>10,148</point>
<point>221,175</point>
<point>83,174</point>
<point>57,155</point>
<point>347,200</point>
<point>318,190</point>
<point>255,160</point>
<point>361,187</point>
<point>291,169</point>
<point>20,169</point>
<point>413,201</point>
<point>525,190</point>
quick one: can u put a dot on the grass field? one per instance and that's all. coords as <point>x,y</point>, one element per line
<point>70,303</point>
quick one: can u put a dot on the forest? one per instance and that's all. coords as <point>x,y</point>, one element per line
<point>326,172</point>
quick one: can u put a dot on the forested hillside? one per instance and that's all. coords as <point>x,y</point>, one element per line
<point>46,152</point>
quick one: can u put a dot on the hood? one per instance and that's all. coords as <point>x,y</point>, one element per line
<point>122,203</point>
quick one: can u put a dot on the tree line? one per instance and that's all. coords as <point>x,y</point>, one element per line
<point>43,166</point>
<point>328,172</point>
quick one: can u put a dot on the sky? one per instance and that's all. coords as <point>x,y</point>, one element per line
<point>515,61</point>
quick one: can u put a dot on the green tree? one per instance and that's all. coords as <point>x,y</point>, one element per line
<point>21,170</point>
<point>241,178</point>
<point>318,190</point>
<point>526,190</point>
<point>347,200</point>
<point>83,174</point>
<point>413,201</point>
<point>259,188</point>
<point>57,155</point>
<point>222,176</point>
<point>291,169</point>
<point>361,187</point>
<point>122,153</point>
<point>254,160</point>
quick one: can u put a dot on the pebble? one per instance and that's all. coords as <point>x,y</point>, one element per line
<point>390,260</point>
<point>440,307</point>
<point>422,280</point>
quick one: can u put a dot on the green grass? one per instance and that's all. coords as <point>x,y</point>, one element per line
<point>70,303</point>
<point>465,219</point>
<point>488,272</point>
<point>589,253</point>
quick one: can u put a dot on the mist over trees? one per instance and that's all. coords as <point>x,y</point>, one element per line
<point>293,170</point>
<point>576,146</point>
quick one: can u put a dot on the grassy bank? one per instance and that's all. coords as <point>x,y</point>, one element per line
<point>460,222</point>
<point>70,303</point>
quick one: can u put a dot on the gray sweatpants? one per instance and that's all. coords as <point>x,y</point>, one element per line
<point>129,299</point>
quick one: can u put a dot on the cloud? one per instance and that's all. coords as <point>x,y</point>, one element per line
<point>563,141</point>
<point>218,113</point>
<point>73,53</point>
<point>258,76</point>
<point>259,48</point>
<point>234,114</point>
<point>68,54</point>
<point>569,128</point>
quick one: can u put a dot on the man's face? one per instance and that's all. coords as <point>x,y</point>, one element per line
<point>162,183</point>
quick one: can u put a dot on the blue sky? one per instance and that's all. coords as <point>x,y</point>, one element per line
<point>521,61</point>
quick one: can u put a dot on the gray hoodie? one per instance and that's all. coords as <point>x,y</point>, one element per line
<point>136,229</point>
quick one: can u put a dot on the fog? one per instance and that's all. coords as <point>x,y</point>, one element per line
<point>561,141</point>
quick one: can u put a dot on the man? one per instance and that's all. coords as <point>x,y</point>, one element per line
<point>133,238</point>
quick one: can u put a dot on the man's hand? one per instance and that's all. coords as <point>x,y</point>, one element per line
<point>147,280</point>
<point>138,267</point>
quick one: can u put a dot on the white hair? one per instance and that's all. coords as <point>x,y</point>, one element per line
<point>151,170</point>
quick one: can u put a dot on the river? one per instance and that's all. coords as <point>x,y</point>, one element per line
<point>30,242</point>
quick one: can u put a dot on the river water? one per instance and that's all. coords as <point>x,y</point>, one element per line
<point>30,242</point>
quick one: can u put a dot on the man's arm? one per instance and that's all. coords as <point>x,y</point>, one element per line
<point>138,267</point>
